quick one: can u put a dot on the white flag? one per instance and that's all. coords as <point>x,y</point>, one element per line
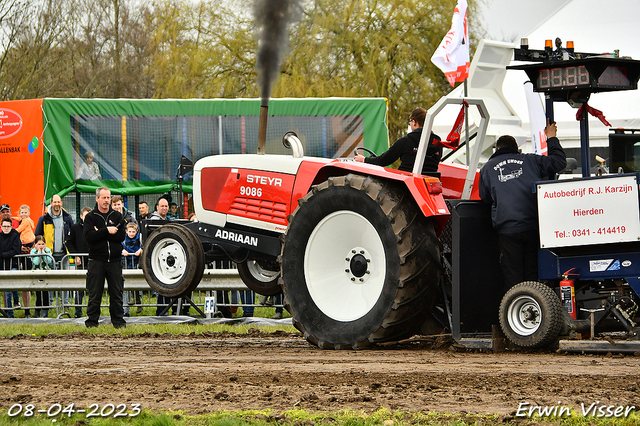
<point>537,120</point>
<point>452,56</point>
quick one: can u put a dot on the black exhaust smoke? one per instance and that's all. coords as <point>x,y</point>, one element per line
<point>272,21</point>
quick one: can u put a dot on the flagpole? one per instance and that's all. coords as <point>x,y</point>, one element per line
<point>466,124</point>
<point>452,57</point>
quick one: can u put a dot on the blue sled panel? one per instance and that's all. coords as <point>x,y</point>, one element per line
<point>592,266</point>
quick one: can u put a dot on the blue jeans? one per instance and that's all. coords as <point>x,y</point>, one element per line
<point>247,298</point>
<point>130,262</point>
<point>7,301</point>
<point>130,297</point>
<point>78,299</point>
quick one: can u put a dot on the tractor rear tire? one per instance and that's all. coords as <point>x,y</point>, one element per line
<point>531,315</point>
<point>259,277</point>
<point>360,264</point>
<point>173,260</point>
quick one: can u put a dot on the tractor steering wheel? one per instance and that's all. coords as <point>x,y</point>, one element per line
<point>371,153</point>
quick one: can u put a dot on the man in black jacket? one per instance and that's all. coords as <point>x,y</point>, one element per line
<point>406,148</point>
<point>104,232</point>
<point>10,246</point>
<point>506,182</point>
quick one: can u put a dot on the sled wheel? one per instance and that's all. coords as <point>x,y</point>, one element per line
<point>531,314</point>
<point>260,276</point>
<point>173,260</point>
<point>360,263</point>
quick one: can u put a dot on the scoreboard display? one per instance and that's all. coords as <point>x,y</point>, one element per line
<point>596,74</point>
<point>579,76</point>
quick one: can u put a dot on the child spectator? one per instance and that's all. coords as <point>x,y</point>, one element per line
<point>42,260</point>
<point>26,228</point>
<point>27,238</point>
<point>132,246</point>
<point>131,250</point>
<point>173,212</point>
<point>89,169</point>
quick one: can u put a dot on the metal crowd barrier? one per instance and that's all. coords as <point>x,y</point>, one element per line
<point>75,279</point>
<point>67,276</point>
<point>61,280</point>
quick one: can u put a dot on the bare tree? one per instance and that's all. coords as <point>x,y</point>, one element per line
<point>207,49</point>
<point>370,48</point>
<point>26,31</point>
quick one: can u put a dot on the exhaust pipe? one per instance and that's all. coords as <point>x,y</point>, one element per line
<point>262,127</point>
<point>290,140</point>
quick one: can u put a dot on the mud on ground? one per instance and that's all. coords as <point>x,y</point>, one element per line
<point>281,371</point>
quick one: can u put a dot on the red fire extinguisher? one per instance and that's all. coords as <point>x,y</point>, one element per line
<point>568,293</point>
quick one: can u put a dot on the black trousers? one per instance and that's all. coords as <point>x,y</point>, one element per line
<point>96,275</point>
<point>42,299</point>
<point>519,257</point>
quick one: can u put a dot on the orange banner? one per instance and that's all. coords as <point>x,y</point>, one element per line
<point>21,156</point>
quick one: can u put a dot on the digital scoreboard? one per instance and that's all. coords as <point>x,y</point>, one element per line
<point>592,75</point>
<point>564,75</point>
<point>579,76</point>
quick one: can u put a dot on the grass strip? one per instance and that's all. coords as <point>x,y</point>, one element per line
<point>380,417</point>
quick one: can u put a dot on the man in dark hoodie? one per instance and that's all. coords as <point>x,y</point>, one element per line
<point>10,246</point>
<point>406,148</point>
<point>117,202</point>
<point>104,231</point>
<point>506,182</point>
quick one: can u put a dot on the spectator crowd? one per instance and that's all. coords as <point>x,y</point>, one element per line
<point>55,241</point>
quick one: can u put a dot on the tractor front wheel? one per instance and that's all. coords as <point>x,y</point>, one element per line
<point>173,260</point>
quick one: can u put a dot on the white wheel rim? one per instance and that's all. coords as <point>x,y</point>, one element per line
<point>524,315</point>
<point>261,274</point>
<point>331,285</point>
<point>169,261</point>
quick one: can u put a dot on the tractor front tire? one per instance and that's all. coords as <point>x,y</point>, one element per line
<point>260,276</point>
<point>173,260</point>
<point>360,264</point>
<point>531,315</point>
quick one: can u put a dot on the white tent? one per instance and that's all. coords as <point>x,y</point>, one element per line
<point>594,27</point>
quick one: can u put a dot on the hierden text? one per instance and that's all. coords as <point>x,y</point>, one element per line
<point>580,212</point>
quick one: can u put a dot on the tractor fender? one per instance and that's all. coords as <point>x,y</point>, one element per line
<point>453,178</point>
<point>425,190</point>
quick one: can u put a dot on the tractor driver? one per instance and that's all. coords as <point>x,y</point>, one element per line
<point>506,182</point>
<point>406,148</point>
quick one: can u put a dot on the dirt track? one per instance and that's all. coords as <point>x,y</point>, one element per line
<point>281,371</point>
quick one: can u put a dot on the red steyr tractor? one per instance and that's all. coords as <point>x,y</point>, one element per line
<point>353,246</point>
<point>366,254</point>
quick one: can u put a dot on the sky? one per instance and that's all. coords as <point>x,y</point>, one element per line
<point>580,21</point>
<point>509,20</point>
